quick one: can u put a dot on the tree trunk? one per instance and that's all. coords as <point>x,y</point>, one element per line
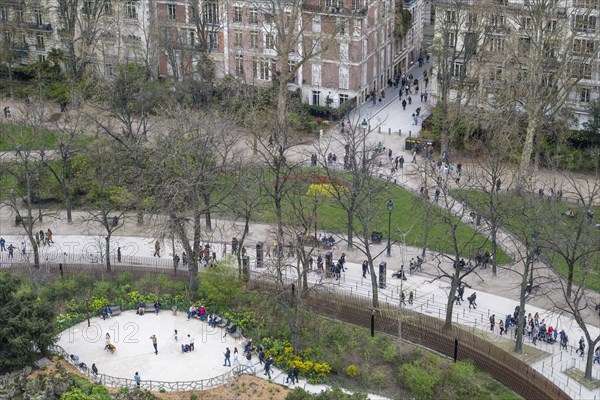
<point>196,253</point>
<point>589,362</point>
<point>527,150</point>
<point>519,341</point>
<point>350,233</point>
<point>107,238</point>
<point>494,234</point>
<point>68,206</point>
<point>450,301</point>
<point>571,267</point>
<point>426,234</point>
<point>207,214</point>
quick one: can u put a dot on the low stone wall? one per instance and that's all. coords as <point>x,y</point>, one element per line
<point>12,384</point>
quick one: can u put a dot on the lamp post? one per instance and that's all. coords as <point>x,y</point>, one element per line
<point>390,207</point>
<point>365,126</point>
<point>316,202</point>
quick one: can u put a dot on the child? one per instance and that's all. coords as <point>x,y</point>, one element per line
<point>175,335</point>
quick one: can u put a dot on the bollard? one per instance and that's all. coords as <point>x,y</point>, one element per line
<point>399,132</point>
<point>409,133</point>
<point>389,131</point>
<point>421,308</point>
<point>456,317</point>
<point>379,129</point>
<point>427,303</point>
<point>439,313</point>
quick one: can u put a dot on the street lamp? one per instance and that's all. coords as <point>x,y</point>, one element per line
<point>316,200</point>
<point>365,127</point>
<point>390,207</point>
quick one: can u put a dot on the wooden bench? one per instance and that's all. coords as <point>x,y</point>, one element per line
<point>224,323</point>
<point>116,310</point>
<point>22,220</point>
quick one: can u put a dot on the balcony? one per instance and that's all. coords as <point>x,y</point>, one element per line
<point>334,10</point>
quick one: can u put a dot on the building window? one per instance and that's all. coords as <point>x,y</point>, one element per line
<point>238,40</point>
<point>254,40</point>
<point>239,65</point>
<point>192,38</point>
<point>171,12</point>
<point>583,47</point>
<point>593,4</point>
<point>7,37</point>
<point>497,21</point>
<point>108,70</point>
<point>450,39</point>
<point>497,45</point>
<point>451,16</point>
<point>4,14</point>
<point>584,95</point>
<point>40,41</point>
<point>237,14</point>
<point>585,23</point>
<point>18,14</point>
<point>344,98</point>
<point>213,40</point>
<point>108,8</point>
<point>316,97</point>
<point>457,70</point>
<point>471,20</point>
<point>211,12</point>
<point>37,15</point>
<point>526,23</point>
<point>269,41</point>
<point>344,77</point>
<point>253,16</point>
<point>41,57</point>
<point>496,73</point>
<point>131,10</point>
<point>262,68</point>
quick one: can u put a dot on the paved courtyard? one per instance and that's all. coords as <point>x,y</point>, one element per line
<point>131,333</point>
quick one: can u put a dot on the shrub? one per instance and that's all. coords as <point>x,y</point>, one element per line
<point>420,383</point>
<point>353,371</point>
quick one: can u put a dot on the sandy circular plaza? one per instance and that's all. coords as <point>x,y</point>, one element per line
<point>131,333</point>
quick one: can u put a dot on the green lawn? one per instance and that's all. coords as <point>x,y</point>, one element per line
<point>407,222</point>
<point>519,226</point>
<point>12,135</point>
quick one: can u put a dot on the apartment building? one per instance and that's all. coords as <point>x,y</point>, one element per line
<point>485,49</point>
<point>28,31</point>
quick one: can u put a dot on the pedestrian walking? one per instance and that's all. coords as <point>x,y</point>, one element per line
<point>94,369</point>
<point>261,357</point>
<point>268,365</point>
<point>492,321</point>
<point>119,254</point>
<point>472,299</point>
<point>23,249</point>
<point>138,379</point>
<point>297,372</point>
<point>50,236</point>
<point>581,346</point>
<point>227,361</point>
<point>191,341</point>
<point>236,355</point>
<point>7,113</point>
<point>501,327</point>
<point>290,375</point>
<point>414,119</point>
<point>414,155</point>
<point>154,344</point>
<point>175,335</point>
<point>157,249</point>
<point>410,296</point>
<point>11,250</point>
<point>365,268</point>
<point>409,100</point>
<point>404,104</point>
<point>2,244</point>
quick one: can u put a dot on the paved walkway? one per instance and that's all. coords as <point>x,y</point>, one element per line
<point>495,294</point>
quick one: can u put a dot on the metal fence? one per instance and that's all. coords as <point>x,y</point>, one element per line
<point>112,381</point>
<point>98,271</point>
<point>429,332</point>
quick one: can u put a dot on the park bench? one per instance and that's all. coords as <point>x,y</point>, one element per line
<point>22,220</point>
<point>223,323</point>
<point>116,310</point>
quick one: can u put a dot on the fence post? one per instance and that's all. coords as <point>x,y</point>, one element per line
<point>379,129</point>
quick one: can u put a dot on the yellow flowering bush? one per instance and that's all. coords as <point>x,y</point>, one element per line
<point>322,369</point>
<point>322,190</point>
<point>352,371</point>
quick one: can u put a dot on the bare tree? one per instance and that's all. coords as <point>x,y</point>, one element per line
<point>194,155</point>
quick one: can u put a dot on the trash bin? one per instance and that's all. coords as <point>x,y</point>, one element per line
<point>382,274</point>
<point>328,262</point>
<point>259,254</point>
<point>174,309</point>
<point>376,237</point>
